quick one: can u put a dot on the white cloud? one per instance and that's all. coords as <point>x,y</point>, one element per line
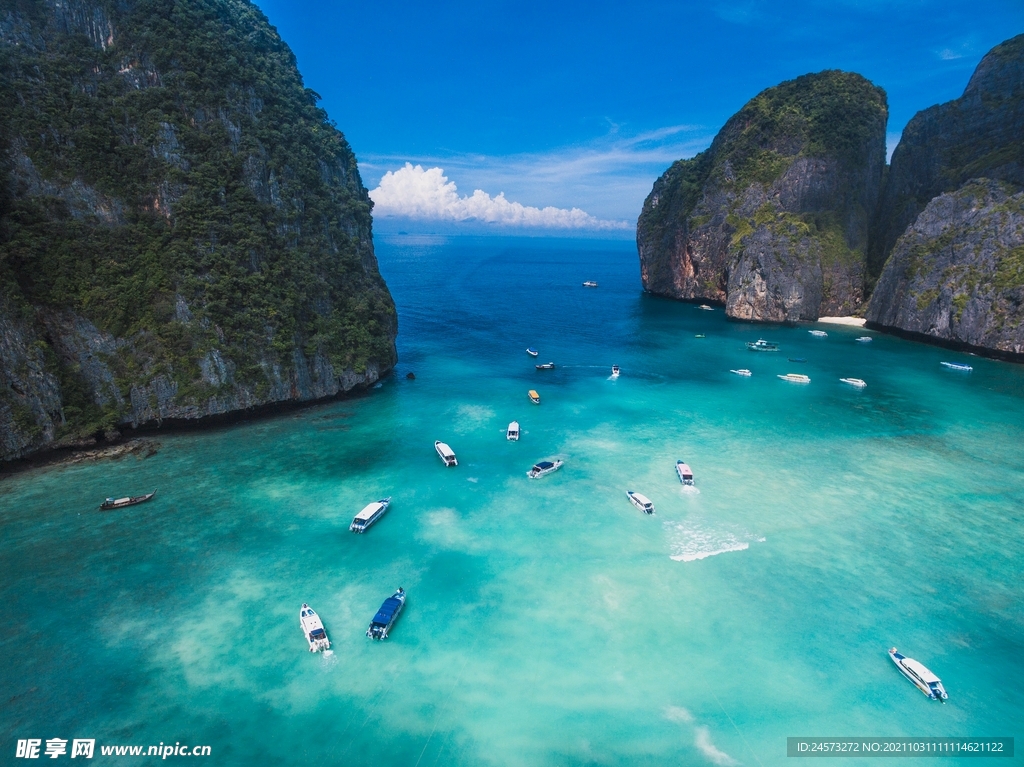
<point>419,193</point>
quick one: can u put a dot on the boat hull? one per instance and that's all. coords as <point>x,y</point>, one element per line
<point>121,503</point>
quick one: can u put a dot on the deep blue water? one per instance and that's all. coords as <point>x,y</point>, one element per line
<point>549,621</point>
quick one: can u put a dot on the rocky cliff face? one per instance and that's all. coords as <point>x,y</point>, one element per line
<point>943,147</point>
<point>957,273</point>
<point>773,219</point>
<point>183,232</point>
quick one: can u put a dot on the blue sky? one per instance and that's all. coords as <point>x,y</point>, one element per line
<point>582,105</point>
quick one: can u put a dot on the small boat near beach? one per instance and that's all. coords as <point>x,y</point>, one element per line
<point>818,333</point>
<point>615,371</point>
<point>386,616</point>
<point>685,473</point>
<point>120,503</point>
<point>858,382</point>
<point>512,433</point>
<point>921,677</point>
<point>590,284</point>
<point>532,352</point>
<point>313,628</point>
<point>544,467</point>
<point>546,366</point>
<point>370,514</point>
<point>642,502</point>
<point>705,307</point>
<point>446,453</point>
<point>957,366</point>
<point>795,378</point>
<point>742,372</point>
<point>863,340</point>
<point>760,345</point>
<point>534,397</point>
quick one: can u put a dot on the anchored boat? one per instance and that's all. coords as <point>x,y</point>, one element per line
<point>858,382</point>
<point>534,397</point>
<point>370,514</point>
<point>532,352</point>
<point>742,372</point>
<point>386,616</point>
<point>546,366</point>
<point>642,502</point>
<point>446,453</point>
<point>120,503</point>
<point>544,467</point>
<point>863,339</point>
<point>512,433</point>
<point>760,345</point>
<point>313,629</point>
<point>923,679</point>
<point>705,307</point>
<point>818,333</point>
<point>795,378</point>
<point>615,371</point>
<point>590,284</point>
<point>685,473</point>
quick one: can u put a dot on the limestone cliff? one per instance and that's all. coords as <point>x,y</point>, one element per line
<point>980,134</point>
<point>773,219</point>
<point>957,273</point>
<point>183,231</point>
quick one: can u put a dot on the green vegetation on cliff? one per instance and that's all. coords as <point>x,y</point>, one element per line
<point>177,185</point>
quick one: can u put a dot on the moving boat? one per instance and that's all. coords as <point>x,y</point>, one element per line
<point>760,345</point>
<point>742,372</point>
<point>313,629</point>
<point>615,371</point>
<point>923,679</point>
<point>512,433</point>
<point>859,383</point>
<point>370,514</point>
<point>642,502</point>
<point>446,453</point>
<point>705,307</point>
<point>590,284</point>
<point>685,473</point>
<point>544,467</point>
<point>795,378</point>
<point>532,352</point>
<point>534,397</point>
<point>700,335</point>
<point>798,359</point>
<point>386,615</point>
<point>818,333</point>
<point>957,366</point>
<point>863,339</point>
<point>546,366</point>
<point>120,503</point>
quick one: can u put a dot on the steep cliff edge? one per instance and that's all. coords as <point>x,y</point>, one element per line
<point>183,232</point>
<point>943,147</point>
<point>957,273</point>
<point>773,219</point>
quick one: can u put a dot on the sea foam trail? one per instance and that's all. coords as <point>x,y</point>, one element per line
<point>692,540</point>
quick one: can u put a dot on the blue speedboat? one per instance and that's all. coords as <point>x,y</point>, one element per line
<point>386,615</point>
<point>532,352</point>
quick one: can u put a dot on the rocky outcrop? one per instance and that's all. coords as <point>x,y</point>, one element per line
<point>957,273</point>
<point>773,219</point>
<point>977,135</point>
<point>183,231</point>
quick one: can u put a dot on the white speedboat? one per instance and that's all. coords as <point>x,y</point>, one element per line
<point>386,616</point>
<point>532,352</point>
<point>615,371</point>
<point>313,629</point>
<point>795,378</point>
<point>858,382</point>
<point>370,514</point>
<point>590,284</point>
<point>642,502</point>
<point>544,467</point>
<point>818,333</point>
<point>742,372</point>
<point>685,473</point>
<point>923,679</point>
<point>512,433</point>
<point>545,366</point>
<point>957,366</point>
<point>446,453</point>
<point>863,339</point>
<point>705,307</point>
<point>760,345</point>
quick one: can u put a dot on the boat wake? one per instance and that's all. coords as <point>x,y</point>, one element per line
<point>689,490</point>
<point>692,540</point>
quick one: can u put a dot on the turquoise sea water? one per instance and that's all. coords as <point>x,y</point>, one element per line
<point>549,622</point>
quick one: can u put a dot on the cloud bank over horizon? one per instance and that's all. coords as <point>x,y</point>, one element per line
<point>427,194</point>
